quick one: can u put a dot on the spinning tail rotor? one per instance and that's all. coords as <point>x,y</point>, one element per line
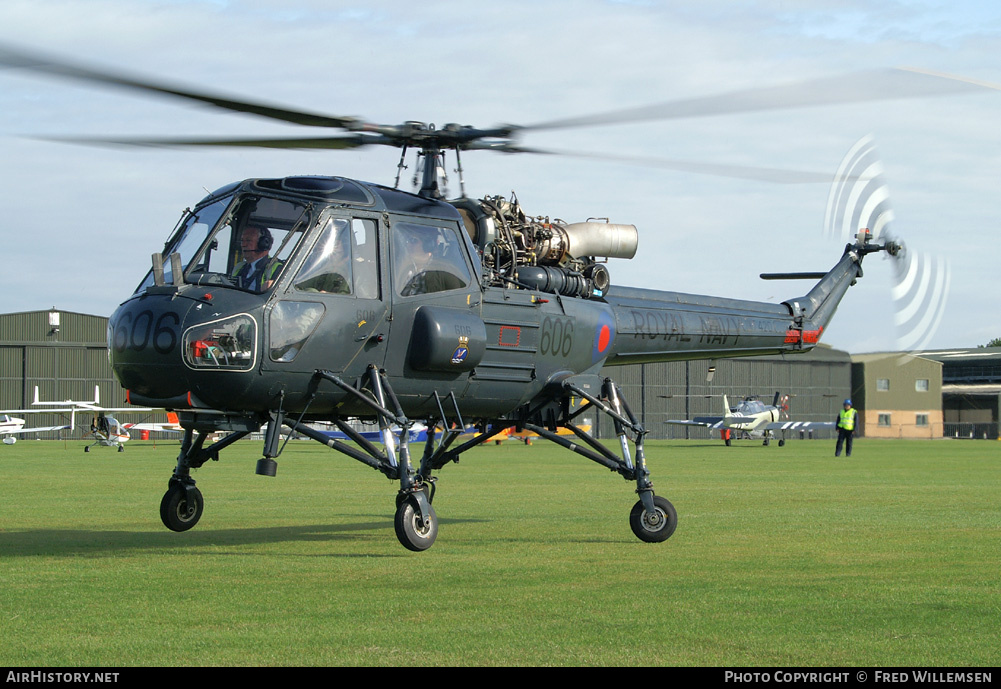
<point>860,198</point>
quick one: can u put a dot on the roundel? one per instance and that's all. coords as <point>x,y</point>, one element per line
<point>604,335</point>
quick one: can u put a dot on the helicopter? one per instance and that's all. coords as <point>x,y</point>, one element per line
<point>286,301</point>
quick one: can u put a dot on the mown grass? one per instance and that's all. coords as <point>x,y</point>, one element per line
<point>783,556</point>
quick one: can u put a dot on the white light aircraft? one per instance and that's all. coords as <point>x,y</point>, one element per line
<point>11,427</point>
<point>752,418</point>
<point>104,428</point>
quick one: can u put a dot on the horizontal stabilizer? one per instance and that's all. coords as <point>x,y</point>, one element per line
<point>798,425</point>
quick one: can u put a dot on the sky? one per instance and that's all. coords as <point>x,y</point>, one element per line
<point>79,223</point>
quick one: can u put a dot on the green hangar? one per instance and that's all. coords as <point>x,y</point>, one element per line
<point>63,354</point>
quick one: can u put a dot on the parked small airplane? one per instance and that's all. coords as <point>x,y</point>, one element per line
<point>104,428</point>
<point>418,432</point>
<point>11,426</point>
<point>752,418</point>
<point>527,436</point>
<point>108,431</point>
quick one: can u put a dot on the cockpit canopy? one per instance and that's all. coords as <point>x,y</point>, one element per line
<point>247,235</point>
<point>236,241</point>
<point>750,406</point>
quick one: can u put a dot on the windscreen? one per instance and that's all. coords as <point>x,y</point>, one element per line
<point>241,242</point>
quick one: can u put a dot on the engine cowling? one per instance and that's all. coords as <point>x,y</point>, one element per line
<point>544,254</point>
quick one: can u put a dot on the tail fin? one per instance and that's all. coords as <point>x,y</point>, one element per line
<point>726,407</point>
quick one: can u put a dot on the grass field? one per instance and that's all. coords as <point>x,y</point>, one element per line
<point>782,557</point>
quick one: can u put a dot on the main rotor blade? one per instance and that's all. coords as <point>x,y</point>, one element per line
<point>885,84</point>
<point>756,174</point>
<point>11,57</point>
<point>329,142</point>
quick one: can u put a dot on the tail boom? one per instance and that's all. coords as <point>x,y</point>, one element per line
<point>654,325</point>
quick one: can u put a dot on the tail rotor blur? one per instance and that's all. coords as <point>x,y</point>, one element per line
<point>860,198</point>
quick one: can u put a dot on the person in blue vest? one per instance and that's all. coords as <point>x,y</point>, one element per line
<point>847,423</point>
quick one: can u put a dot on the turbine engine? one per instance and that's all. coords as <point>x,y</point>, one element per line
<point>540,253</point>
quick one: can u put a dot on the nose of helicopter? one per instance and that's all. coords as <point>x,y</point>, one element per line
<point>144,345</point>
<point>164,347</point>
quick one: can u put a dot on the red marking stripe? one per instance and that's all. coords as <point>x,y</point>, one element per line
<point>604,337</point>
<point>812,336</point>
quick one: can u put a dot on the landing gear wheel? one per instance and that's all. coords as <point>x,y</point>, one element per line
<point>782,442</point>
<point>410,529</point>
<point>657,526</point>
<point>177,512</point>
<point>121,448</point>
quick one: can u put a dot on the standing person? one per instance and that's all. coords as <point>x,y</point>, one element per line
<point>847,422</point>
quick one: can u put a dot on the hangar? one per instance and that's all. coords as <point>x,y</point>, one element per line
<point>65,354</point>
<point>971,391</point>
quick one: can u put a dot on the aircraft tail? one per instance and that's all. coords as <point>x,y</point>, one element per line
<point>726,407</point>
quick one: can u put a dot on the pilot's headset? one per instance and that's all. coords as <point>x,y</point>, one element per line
<point>266,240</point>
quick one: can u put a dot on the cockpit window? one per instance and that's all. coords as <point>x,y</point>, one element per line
<point>189,238</point>
<point>242,243</point>
<point>751,407</point>
<point>344,260</point>
<point>427,259</point>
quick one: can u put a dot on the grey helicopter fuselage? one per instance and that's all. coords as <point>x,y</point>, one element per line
<point>191,338</point>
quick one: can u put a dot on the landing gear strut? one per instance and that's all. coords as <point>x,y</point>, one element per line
<point>652,519</point>
<point>182,504</point>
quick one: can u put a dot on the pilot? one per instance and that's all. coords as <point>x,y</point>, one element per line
<point>846,423</point>
<point>330,267</point>
<point>420,270</point>
<point>256,272</point>
<point>339,269</point>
